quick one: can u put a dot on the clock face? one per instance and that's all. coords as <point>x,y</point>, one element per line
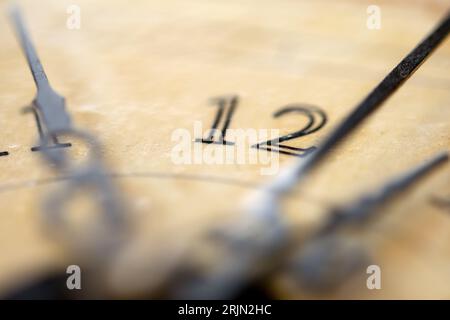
<point>200,108</point>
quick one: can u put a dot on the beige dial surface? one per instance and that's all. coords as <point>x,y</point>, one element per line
<point>133,73</point>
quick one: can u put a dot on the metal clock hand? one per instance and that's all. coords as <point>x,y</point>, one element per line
<point>378,96</point>
<point>50,104</point>
<point>327,258</point>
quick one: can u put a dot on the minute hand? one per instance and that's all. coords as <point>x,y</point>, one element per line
<point>49,103</point>
<point>376,98</point>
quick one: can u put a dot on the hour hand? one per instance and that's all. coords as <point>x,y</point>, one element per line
<point>49,103</point>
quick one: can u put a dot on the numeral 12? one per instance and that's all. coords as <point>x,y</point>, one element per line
<point>227,107</point>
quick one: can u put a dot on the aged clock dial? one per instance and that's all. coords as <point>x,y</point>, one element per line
<point>160,90</point>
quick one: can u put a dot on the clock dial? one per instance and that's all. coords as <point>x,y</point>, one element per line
<point>168,89</point>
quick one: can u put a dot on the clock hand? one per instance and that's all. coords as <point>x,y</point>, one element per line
<point>265,204</point>
<point>256,253</point>
<point>365,206</point>
<point>50,104</point>
<point>373,101</point>
<point>264,207</point>
<point>329,256</point>
<point>103,236</point>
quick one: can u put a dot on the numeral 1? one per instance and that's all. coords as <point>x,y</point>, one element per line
<point>226,108</point>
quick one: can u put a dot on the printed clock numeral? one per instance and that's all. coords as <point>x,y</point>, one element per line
<point>316,120</point>
<point>226,108</point>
